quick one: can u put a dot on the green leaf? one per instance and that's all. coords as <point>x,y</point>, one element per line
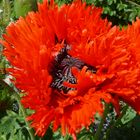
<point>121,6</point>
<point>12,128</point>
<point>8,123</point>
<point>130,114</point>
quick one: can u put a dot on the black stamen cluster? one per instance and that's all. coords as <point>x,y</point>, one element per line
<point>62,70</point>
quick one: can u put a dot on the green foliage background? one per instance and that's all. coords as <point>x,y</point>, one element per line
<point>119,12</point>
<point>12,118</point>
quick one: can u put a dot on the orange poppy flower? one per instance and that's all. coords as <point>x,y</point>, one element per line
<point>66,60</point>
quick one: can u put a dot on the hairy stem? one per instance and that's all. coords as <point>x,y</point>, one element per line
<point>99,129</point>
<point>133,3</point>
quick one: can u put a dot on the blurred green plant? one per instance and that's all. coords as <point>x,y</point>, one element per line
<point>5,10</point>
<point>13,125</point>
<point>127,131</point>
<point>5,101</point>
<point>22,7</point>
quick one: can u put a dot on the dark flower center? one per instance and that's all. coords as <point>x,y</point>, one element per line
<point>62,70</point>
